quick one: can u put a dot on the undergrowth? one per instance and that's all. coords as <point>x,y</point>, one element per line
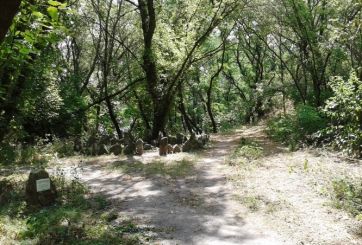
<point>78,217</point>
<point>247,150</point>
<point>295,129</point>
<point>348,196</point>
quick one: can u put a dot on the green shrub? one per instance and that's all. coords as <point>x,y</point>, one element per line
<point>8,154</point>
<point>282,129</point>
<point>63,147</point>
<point>246,151</point>
<point>295,128</point>
<point>345,111</point>
<point>21,155</point>
<point>348,196</point>
<point>249,149</point>
<point>309,120</point>
<point>75,219</point>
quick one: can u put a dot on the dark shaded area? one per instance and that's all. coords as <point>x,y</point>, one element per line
<point>8,9</point>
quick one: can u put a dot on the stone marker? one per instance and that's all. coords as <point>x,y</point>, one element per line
<point>169,149</point>
<point>192,144</point>
<point>163,146</point>
<point>116,149</point>
<point>139,147</point>
<point>176,149</point>
<point>40,189</point>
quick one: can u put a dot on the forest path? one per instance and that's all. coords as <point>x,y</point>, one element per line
<point>276,199</point>
<point>197,208</point>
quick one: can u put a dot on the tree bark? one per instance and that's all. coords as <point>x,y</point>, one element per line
<point>8,10</point>
<point>209,91</point>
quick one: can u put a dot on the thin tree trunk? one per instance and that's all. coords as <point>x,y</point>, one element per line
<point>209,92</point>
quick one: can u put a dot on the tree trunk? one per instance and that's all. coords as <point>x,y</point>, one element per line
<point>160,117</point>
<point>188,121</point>
<point>211,115</point>
<point>209,90</point>
<point>113,118</point>
<point>9,104</point>
<point>8,10</point>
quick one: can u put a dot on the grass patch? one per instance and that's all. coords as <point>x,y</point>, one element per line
<point>77,218</point>
<point>253,203</point>
<point>174,169</point>
<point>246,151</point>
<point>348,196</point>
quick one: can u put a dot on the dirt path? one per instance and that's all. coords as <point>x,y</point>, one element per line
<point>196,209</point>
<point>273,200</point>
<point>292,191</point>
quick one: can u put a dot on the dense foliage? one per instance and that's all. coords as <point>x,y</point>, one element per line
<point>344,109</point>
<point>75,69</point>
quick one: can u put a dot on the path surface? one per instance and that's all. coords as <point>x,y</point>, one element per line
<point>197,209</point>
<point>209,206</point>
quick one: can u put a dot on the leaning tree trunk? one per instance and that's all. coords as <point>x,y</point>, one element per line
<point>209,91</point>
<point>113,118</point>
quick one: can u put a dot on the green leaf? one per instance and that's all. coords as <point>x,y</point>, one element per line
<point>63,6</point>
<point>24,50</point>
<point>38,14</point>
<point>53,12</point>
<point>54,3</point>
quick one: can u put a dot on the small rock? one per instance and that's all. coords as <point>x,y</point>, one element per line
<point>169,149</point>
<point>139,147</point>
<point>176,149</point>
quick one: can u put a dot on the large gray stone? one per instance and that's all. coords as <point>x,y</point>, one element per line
<point>40,189</point>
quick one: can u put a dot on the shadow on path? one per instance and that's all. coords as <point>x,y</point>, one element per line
<point>196,208</point>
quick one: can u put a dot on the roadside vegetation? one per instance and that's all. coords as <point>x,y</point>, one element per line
<point>78,217</point>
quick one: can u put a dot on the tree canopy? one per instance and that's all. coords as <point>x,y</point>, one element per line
<point>76,68</point>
